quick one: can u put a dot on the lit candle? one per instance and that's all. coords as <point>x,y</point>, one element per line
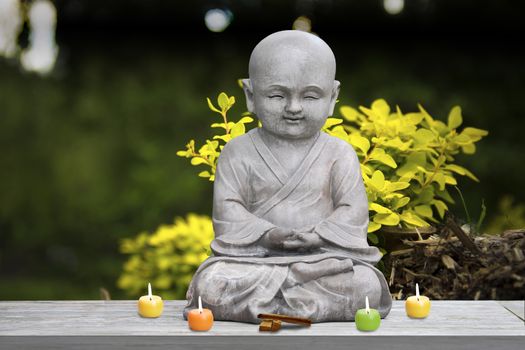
<point>417,306</point>
<point>367,319</point>
<point>200,319</point>
<point>150,305</point>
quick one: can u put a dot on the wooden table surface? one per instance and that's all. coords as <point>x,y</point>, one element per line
<point>116,324</point>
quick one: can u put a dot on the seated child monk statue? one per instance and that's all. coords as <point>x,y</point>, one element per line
<point>290,212</point>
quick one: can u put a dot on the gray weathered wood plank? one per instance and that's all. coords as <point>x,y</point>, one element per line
<point>517,307</point>
<point>110,323</point>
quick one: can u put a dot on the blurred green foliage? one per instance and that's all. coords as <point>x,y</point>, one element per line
<point>89,154</point>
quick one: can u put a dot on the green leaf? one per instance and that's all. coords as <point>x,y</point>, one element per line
<point>424,210</point>
<point>461,171</point>
<point>372,237</point>
<point>454,117</point>
<point>440,206</point>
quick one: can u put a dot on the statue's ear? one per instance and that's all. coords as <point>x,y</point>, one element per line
<point>333,98</point>
<point>248,91</point>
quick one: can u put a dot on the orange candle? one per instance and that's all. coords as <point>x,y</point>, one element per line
<point>417,306</point>
<point>200,319</point>
<point>150,305</point>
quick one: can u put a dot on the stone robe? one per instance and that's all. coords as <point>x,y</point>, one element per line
<point>252,195</point>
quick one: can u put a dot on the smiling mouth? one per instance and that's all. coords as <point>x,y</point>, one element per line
<point>293,119</point>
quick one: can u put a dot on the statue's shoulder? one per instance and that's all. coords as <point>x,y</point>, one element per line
<point>337,145</point>
<point>238,146</point>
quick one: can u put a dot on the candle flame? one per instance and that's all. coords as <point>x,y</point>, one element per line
<point>417,292</point>
<point>149,291</point>
<point>200,305</point>
<point>367,305</point>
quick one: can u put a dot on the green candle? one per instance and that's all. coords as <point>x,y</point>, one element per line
<point>367,319</point>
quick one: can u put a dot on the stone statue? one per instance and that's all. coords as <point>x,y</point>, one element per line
<point>290,212</point>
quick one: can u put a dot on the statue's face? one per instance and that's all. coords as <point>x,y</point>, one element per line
<point>293,94</point>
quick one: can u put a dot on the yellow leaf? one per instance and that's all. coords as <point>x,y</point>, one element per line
<point>412,219</point>
<point>454,117</point>
<point>360,142</point>
<point>204,174</point>
<point>461,171</point>
<point>381,107</point>
<point>378,180</point>
<point>237,130</point>
<point>331,122</point>
<point>474,134</point>
<point>349,113</point>
<point>373,226</point>
<point>379,208</point>
<point>198,160</point>
<point>223,101</point>
<point>339,132</point>
<point>391,219</point>
<point>380,155</point>
<point>424,136</point>
<point>401,202</point>
<point>396,186</point>
<point>469,149</point>
<point>245,120</point>
<point>211,106</point>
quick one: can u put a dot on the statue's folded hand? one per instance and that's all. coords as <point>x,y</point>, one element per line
<point>303,241</point>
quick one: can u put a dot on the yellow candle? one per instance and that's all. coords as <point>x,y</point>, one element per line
<point>200,319</point>
<point>417,306</point>
<point>150,305</point>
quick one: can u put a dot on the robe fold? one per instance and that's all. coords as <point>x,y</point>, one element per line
<point>252,195</point>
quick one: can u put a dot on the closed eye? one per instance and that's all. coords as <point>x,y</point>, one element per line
<point>311,97</point>
<point>275,96</point>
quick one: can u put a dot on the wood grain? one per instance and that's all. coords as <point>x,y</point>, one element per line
<point>40,323</point>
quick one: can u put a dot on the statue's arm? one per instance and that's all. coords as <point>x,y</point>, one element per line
<point>348,224</point>
<point>238,232</point>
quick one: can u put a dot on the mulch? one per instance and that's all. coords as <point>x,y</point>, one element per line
<point>455,265</point>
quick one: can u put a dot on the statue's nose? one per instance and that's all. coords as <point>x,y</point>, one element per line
<point>294,106</point>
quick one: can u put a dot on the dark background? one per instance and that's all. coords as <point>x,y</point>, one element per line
<point>87,153</point>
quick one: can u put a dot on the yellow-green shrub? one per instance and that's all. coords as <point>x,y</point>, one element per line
<point>407,159</point>
<point>407,163</point>
<point>167,257</point>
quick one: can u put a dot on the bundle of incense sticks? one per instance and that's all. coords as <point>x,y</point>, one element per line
<point>272,322</point>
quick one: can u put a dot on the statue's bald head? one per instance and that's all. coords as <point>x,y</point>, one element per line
<point>293,47</point>
<point>292,87</point>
